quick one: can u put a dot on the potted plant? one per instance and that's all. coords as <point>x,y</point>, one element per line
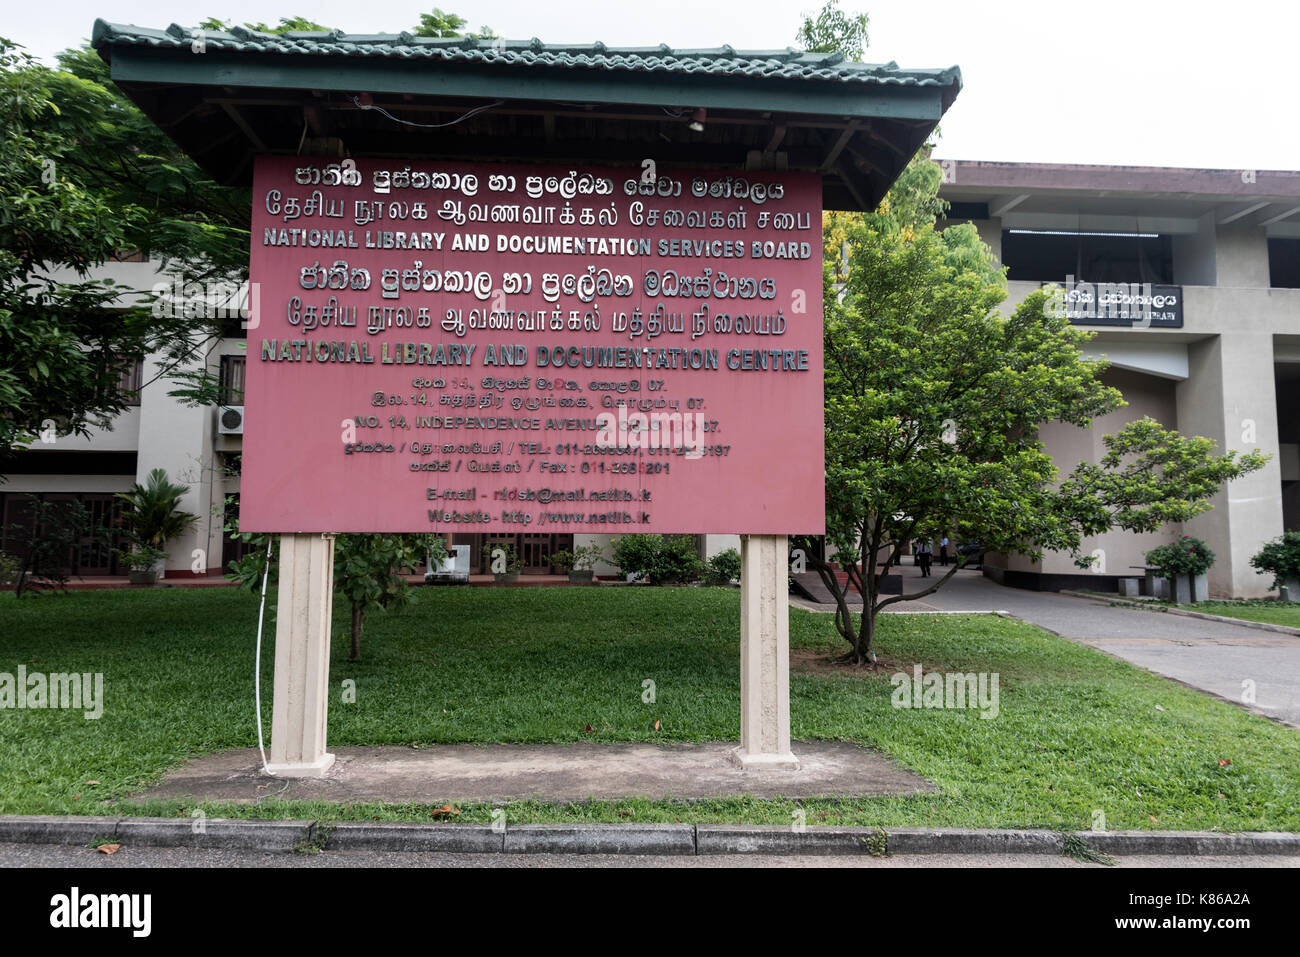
<point>142,564</point>
<point>562,561</point>
<point>1185,562</point>
<point>585,558</point>
<point>512,565</point>
<point>151,517</point>
<point>1281,558</point>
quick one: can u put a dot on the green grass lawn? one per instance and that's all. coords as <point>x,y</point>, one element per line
<point>1269,612</point>
<point>1077,731</point>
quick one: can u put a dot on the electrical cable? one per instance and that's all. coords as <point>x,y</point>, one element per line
<point>425,126</point>
<point>257,667</point>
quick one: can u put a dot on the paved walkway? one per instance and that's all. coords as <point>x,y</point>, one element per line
<point>1220,658</point>
<point>572,772</point>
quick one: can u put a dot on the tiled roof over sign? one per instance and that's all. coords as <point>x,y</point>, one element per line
<point>787,64</point>
<point>226,97</point>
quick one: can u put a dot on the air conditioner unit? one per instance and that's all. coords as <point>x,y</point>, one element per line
<point>230,420</point>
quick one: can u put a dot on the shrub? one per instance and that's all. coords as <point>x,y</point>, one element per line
<point>47,540</point>
<point>679,561</point>
<point>724,567</point>
<point>142,558</point>
<point>514,564</point>
<point>586,557</point>
<point>1187,556</point>
<point>563,560</point>
<point>1281,557</point>
<point>635,554</point>
<point>659,559</point>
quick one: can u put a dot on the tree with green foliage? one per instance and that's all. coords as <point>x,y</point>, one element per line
<point>286,24</point>
<point>934,401</point>
<point>440,24</point>
<point>369,572</point>
<point>45,543</point>
<point>934,404</point>
<point>84,175</point>
<point>369,569</point>
<point>834,31</point>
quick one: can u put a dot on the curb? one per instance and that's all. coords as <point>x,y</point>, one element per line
<point>713,839</point>
<point>1184,612</point>
<point>600,839</point>
<point>658,839</point>
<point>916,840</point>
<point>398,836</point>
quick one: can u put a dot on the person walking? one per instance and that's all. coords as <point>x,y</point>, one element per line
<point>924,554</point>
<point>943,551</point>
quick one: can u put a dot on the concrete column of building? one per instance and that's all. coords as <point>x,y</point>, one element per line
<point>1229,396</point>
<point>765,653</point>
<point>302,656</point>
<point>177,438</point>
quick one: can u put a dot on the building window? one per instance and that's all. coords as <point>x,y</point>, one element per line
<point>232,380</point>
<point>1050,255</point>
<point>1284,263</point>
<point>130,382</point>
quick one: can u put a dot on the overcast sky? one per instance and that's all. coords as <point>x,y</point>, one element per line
<point>1125,82</point>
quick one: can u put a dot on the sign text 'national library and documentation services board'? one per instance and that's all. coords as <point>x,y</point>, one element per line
<point>489,348</point>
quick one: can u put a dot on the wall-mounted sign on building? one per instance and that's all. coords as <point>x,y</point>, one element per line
<point>1121,304</point>
<point>483,348</point>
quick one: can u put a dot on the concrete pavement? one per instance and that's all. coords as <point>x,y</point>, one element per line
<point>568,772</point>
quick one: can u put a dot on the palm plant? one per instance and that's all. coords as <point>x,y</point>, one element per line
<point>151,516</point>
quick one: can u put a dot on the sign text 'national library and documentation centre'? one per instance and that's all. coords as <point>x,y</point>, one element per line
<point>487,348</point>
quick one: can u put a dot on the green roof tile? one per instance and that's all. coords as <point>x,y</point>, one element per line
<point>787,64</point>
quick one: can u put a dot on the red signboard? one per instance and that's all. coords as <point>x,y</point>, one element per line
<point>493,348</point>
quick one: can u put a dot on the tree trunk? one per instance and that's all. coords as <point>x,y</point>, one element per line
<point>867,632</point>
<point>358,621</point>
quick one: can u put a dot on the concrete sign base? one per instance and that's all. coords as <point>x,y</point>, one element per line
<point>302,656</point>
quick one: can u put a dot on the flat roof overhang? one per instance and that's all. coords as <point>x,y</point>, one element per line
<point>1167,199</point>
<point>854,124</point>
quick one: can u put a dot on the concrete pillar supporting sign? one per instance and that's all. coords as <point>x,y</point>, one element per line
<point>765,653</point>
<point>302,656</point>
